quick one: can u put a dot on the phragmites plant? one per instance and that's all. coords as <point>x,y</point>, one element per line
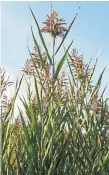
<point>5,83</point>
<point>63,127</point>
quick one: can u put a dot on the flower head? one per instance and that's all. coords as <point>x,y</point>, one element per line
<point>54,25</point>
<point>77,63</point>
<point>28,68</point>
<point>95,105</point>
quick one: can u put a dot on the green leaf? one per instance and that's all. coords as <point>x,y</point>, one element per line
<point>66,33</point>
<point>37,46</point>
<point>38,96</point>
<point>61,62</point>
<point>97,86</point>
<point>41,37</point>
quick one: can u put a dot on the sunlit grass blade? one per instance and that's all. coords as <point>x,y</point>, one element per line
<point>42,61</point>
<point>41,37</point>
<point>61,62</point>
<point>97,86</point>
<point>66,33</point>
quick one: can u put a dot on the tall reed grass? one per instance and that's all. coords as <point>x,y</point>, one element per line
<point>67,120</point>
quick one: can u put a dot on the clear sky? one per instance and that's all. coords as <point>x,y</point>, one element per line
<point>90,31</point>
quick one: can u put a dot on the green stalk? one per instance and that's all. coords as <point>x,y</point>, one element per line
<point>53,64</point>
<point>53,71</point>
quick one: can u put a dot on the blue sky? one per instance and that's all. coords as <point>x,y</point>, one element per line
<point>90,31</point>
